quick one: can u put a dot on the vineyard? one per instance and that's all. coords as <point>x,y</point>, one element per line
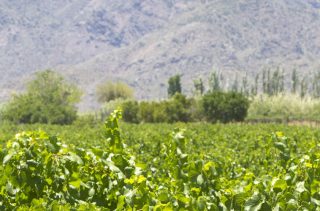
<point>195,166</point>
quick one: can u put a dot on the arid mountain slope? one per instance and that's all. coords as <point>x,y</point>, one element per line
<point>145,42</point>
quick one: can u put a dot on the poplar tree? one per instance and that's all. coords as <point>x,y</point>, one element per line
<point>303,87</point>
<point>198,86</point>
<point>214,82</point>
<point>316,85</point>
<point>294,81</point>
<point>174,85</point>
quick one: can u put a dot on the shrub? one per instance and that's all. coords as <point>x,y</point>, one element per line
<point>225,107</point>
<point>111,91</point>
<point>160,112</point>
<point>130,111</point>
<point>178,109</point>
<point>146,111</point>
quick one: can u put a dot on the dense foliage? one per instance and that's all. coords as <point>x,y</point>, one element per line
<point>109,91</point>
<point>179,108</point>
<point>174,85</point>
<point>213,106</point>
<point>48,99</point>
<point>225,107</point>
<point>207,167</point>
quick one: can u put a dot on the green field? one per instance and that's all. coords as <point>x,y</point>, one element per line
<point>196,166</point>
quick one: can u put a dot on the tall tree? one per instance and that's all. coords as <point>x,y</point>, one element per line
<point>235,85</point>
<point>198,86</point>
<point>294,81</point>
<point>275,82</point>
<point>245,86</point>
<point>303,87</point>
<point>264,82</point>
<point>255,87</point>
<point>269,87</point>
<point>174,85</point>
<point>281,85</point>
<point>316,85</point>
<point>215,81</point>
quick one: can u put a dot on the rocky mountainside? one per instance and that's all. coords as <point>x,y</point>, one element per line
<point>144,42</point>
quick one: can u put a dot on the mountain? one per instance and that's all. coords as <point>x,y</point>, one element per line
<point>144,42</point>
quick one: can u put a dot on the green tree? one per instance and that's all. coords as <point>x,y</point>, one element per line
<point>269,82</point>
<point>281,85</point>
<point>255,88</point>
<point>245,86</point>
<point>303,87</point>
<point>275,82</point>
<point>178,109</point>
<point>48,99</point>
<point>235,85</point>
<point>316,85</point>
<point>146,112</point>
<point>198,86</point>
<point>264,82</point>
<point>215,81</point>
<point>130,111</point>
<point>174,85</point>
<point>109,91</point>
<point>294,81</point>
<point>225,107</point>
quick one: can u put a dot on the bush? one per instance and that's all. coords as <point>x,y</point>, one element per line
<point>146,110</point>
<point>177,109</point>
<point>130,111</point>
<point>48,99</point>
<point>111,91</point>
<point>214,107</point>
<point>225,107</point>
<point>160,113</point>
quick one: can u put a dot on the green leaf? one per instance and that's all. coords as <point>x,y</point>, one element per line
<point>76,183</point>
<point>201,203</point>
<point>300,187</point>
<point>121,202</point>
<point>92,192</point>
<point>292,205</point>
<point>315,201</point>
<point>305,196</point>
<point>8,157</point>
<point>239,200</point>
<point>74,158</point>
<point>253,203</point>
<point>182,198</point>
<point>163,196</point>
<point>281,146</point>
<point>49,181</point>
<point>279,185</point>
<point>200,179</point>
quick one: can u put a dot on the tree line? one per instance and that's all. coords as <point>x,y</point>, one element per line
<point>50,99</point>
<point>215,105</point>
<point>269,82</point>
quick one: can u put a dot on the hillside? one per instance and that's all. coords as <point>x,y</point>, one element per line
<point>145,42</point>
